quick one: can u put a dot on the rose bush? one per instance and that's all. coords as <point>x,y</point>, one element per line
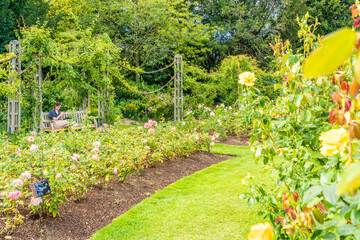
<point>310,140</point>
<point>71,160</point>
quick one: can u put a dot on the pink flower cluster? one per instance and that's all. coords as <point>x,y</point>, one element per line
<point>14,195</point>
<point>35,201</point>
<point>34,148</point>
<point>31,139</point>
<point>26,175</point>
<point>58,175</point>
<point>150,123</point>
<point>18,183</point>
<point>75,157</point>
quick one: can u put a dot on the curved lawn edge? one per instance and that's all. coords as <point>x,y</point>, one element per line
<point>204,205</point>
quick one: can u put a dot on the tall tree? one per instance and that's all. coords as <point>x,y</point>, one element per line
<point>7,24</point>
<point>151,32</point>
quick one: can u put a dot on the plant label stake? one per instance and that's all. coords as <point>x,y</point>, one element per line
<point>40,189</point>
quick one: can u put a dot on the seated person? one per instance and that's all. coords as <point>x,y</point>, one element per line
<point>56,115</point>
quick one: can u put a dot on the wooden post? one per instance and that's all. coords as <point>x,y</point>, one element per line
<point>40,99</point>
<point>99,106</point>
<point>14,107</point>
<point>178,89</point>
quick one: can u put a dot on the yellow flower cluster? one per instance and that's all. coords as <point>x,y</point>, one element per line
<point>261,231</point>
<point>247,78</point>
<point>334,141</point>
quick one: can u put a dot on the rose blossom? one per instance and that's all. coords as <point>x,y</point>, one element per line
<point>26,175</point>
<point>3,194</point>
<point>147,125</point>
<point>147,147</point>
<point>197,138</point>
<point>14,195</point>
<point>145,140</point>
<point>33,133</point>
<point>76,156</point>
<point>213,138</point>
<point>31,139</point>
<point>95,150</point>
<point>96,144</point>
<point>173,128</point>
<point>212,144</point>
<point>212,114</point>
<point>35,201</point>
<point>18,183</point>
<point>58,175</point>
<point>151,131</point>
<point>115,170</point>
<point>153,123</point>
<point>105,125</point>
<point>95,157</point>
<point>34,148</point>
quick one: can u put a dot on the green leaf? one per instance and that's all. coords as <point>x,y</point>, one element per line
<point>350,179</point>
<point>298,99</point>
<point>345,230</point>
<point>311,193</point>
<point>330,194</point>
<point>335,49</point>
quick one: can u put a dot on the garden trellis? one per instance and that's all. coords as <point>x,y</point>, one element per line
<point>14,100</point>
<point>178,85</point>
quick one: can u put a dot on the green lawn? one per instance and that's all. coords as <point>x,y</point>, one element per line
<point>205,205</point>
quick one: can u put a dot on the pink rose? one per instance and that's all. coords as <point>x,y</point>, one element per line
<point>18,183</point>
<point>213,138</point>
<point>3,194</point>
<point>151,131</point>
<point>18,151</point>
<point>105,125</point>
<point>98,130</point>
<point>31,139</point>
<point>14,195</point>
<point>152,123</point>
<point>145,140</point>
<point>95,150</point>
<point>212,144</point>
<point>115,171</point>
<point>147,125</point>
<point>33,133</point>
<point>35,201</point>
<point>197,138</point>
<point>34,148</point>
<point>173,128</point>
<point>96,144</point>
<point>26,175</point>
<point>58,175</point>
<point>147,147</point>
<point>76,156</point>
<point>95,157</point>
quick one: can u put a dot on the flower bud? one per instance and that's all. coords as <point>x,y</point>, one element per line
<point>354,129</point>
<point>345,86</point>
<point>337,117</point>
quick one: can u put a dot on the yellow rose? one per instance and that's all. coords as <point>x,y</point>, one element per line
<point>261,231</point>
<point>247,78</point>
<point>334,141</point>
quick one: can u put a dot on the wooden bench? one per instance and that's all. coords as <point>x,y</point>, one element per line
<point>77,117</point>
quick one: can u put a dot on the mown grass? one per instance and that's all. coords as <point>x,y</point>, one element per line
<point>205,205</point>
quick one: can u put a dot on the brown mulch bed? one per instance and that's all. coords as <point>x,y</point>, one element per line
<point>79,220</point>
<point>237,140</point>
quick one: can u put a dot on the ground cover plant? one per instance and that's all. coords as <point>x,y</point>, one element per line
<point>314,126</point>
<point>204,205</point>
